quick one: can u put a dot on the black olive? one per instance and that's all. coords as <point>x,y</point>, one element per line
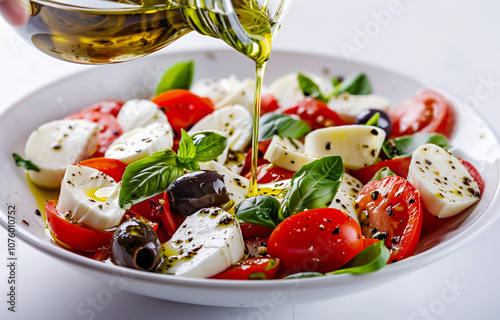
<point>197,190</point>
<point>384,122</point>
<point>135,245</point>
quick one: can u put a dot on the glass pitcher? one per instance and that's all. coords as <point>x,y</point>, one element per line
<point>111,31</point>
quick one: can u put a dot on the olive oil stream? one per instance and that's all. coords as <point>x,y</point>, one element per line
<point>134,28</point>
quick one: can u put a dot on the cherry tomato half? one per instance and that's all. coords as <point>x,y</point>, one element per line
<point>182,108</point>
<point>474,173</point>
<point>427,111</point>
<point>75,235</point>
<point>268,172</point>
<point>251,231</point>
<point>251,268</point>
<point>263,145</point>
<point>170,224</point>
<point>319,240</point>
<point>105,106</point>
<point>390,210</point>
<point>111,129</point>
<point>268,104</point>
<point>397,165</point>
<point>111,167</point>
<point>315,113</point>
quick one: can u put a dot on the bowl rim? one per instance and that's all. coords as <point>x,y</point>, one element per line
<point>434,254</point>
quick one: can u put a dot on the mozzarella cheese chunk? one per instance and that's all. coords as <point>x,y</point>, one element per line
<point>359,145</point>
<point>287,153</point>
<point>207,243</point>
<point>237,186</point>
<point>346,204</point>
<point>345,199</point>
<point>90,197</point>
<point>139,113</point>
<point>350,186</point>
<point>141,142</point>
<point>287,89</point>
<point>226,91</point>
<point>57,144</point>
<point>446,187</point>
<point>348,106</point>
<point>235,120</point>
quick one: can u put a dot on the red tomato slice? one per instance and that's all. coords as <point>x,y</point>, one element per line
<point>150,209</point>
<point>427,111</point>
<point>182,108</point>
<point>111,167</point>
<point>268,172</point>
<point>251,231</point>
<point>111,129</point>
<point>251,268</point>
<point>320,240</point>
<point>263,145</point>
<point>75,235</point>
<point>397,165</point>
<point>167,218</point>
<point>315,113</point>
<point>431,222</point>
<point>390,210</point>
<point>268,104</point>
<point>105,106</point>
<point>474,173</point>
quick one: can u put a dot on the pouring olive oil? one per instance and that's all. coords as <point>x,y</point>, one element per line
<point>109,31</point>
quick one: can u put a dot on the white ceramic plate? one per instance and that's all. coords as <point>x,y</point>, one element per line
<point>473,138</point>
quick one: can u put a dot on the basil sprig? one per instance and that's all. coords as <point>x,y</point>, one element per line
<point>178,76</point>
<point>152,175</point>
<point>356,84</point>
<point>370,259</point>
<point>208,145</point>
<point>313,186</point>
<point>259,210</point>
<point>26,164</point>
<point>310,88</point>
<point>406,145</point>
<point>282,125</point>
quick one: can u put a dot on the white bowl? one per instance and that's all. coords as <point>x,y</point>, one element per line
<point>473,140</point>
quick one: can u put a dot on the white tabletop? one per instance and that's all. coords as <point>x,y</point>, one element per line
<point>453,42</point>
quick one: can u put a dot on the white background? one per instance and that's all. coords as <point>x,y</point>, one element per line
<point>453,42</point>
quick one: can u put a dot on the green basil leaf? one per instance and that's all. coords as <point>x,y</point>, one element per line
<point>283,125</point>
<point>189,164</point>
<point>313,186</point>
<point>383,173</point>
<point>373,121</point>
<point>148,177</point>
<point>178,76</point>
<point>310,88</point>
<point>357,84</point>
<point>406,145</point>
<point>304,275</point>
<point>370,259</point>
<point>187,149</point>
<point>28,165</point>
<point>209,145</point>
<point>336,82</point>
<point>260,211</point>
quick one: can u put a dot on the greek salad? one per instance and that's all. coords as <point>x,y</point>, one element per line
<point>347,182</point>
